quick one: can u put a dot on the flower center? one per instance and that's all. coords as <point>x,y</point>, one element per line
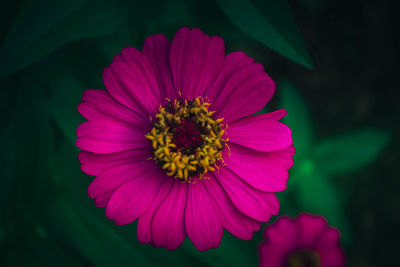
<point>303,258</point>
<point>188,135</point>
<point>187,140</point>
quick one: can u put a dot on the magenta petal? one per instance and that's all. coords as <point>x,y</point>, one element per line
<point>242,88</point>
<point>133,198</point>
<point>202,224</point>
<point>168,227</point>
<point>156,48</point>
<point>251,202</point>
<point>329,249</point>
<point>145,220</point>
<point>99,105</point>
<point>233,62</point>
<point>281,238</point>
<point>284,233</point>
<point>104,185</point>
<point>306,232</point>
<point>102,136</point>
<point>266,171</point>
<point>311,227</point>
<point>231,218</point>
<point>261,132</point>
<point>131,81</point>
<point>271,255</point>
<point>95,164</point>
<point>195,59</point>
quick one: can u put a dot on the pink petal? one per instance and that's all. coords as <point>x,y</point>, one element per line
<point>95,164</point>
<point>131,81</point>
<point>102,136</point>
<point>271,255</point>
<point>156,48</point>
<point>99,105</point>
<point>281,239</point>
<point>284,233</point>
<point>231,218</point>
<point>329,249</point>
<point>195,59</point>
<point>265,171</point>
<point>242,88</point>
<point>233,62</point>
<point>104,185</point>
<point>311,227</point>
<point>261,132</point>
<point>251,202</point>
<point>168,227</point>
<point>202,224</point>
<point>133,198</point>
<point>145,220</point>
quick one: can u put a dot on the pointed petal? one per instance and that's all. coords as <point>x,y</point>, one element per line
<point>195,59</point>
<point>168,227</point>
<point>202,224</point>
<point>145,221</point>
<point>95,164</point>
<point>261,132</point>
<point>133,198</point>
<point>131,81</point>
<point>231,218</point>
<point>99,105</point>
<point>156,48</point>
<point>104,185</point>
<point>242,88</point>
<point>266,171</point>
<point>102,136</point>
<point>251,202</point>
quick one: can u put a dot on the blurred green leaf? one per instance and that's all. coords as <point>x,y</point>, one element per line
<point>41,27</point>
<point>231,252</point>
<point>342,154</point>
<point>298,118</point>
<point>272,24</point>
<point>177,13</point>
<point>31,187</point>
<point>317,195</point>
<point>7,158</point>
<point>66,95</point>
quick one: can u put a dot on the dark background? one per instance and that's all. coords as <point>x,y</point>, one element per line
<point>46,217</point>
<point>355,84</point>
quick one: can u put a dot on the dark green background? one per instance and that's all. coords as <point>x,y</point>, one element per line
<point>337,76</point>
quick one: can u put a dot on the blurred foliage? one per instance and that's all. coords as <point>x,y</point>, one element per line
<point>317,162</point>
<point>53,50</point>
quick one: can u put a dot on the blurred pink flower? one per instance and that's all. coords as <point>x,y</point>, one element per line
<point>159,143</point>
<point>306,241</point>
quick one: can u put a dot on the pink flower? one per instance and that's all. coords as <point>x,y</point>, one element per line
<point>172,143</point>
<point>305,241</point>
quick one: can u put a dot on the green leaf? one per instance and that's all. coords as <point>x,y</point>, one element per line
<point>271,24</point>
<point>231,252</point>
<point>177,13</point>
<point>7,158</point>
<point>298,118</point>
<point>65,91</point>
<point>318,196</point>
<point>346,153</point>
<point>42,27</point>
<point>97,242</point>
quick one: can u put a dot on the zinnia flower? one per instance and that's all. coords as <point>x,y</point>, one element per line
<point>307,241</point>
<point>172,142</point>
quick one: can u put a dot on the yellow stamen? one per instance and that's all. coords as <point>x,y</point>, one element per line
<point>185,164</point>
